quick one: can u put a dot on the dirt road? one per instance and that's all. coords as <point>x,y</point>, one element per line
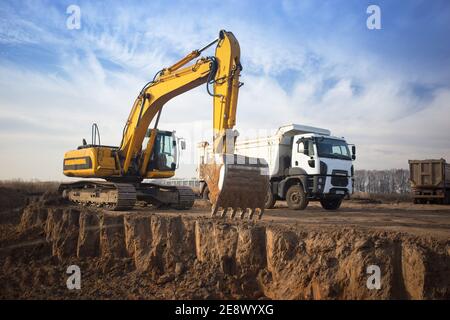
<point>403,217</point>
<point>425,220</point>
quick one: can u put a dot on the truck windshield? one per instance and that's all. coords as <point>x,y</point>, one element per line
<point>332,148</point>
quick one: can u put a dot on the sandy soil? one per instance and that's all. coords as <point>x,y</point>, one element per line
<point>144,254</point>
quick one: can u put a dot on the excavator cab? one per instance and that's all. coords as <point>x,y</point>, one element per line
<point>164,153</point>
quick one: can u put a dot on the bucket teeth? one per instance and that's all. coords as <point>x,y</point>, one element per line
<point>261,212</point>
<point>214,210</point>
<point>237,213</point>
<point>251,213</point>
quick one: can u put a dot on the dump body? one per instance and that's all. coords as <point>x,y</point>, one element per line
<point>430,180</point>
<point>276,149</point>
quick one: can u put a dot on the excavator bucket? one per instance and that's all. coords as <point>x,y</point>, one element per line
<point>237,185</point>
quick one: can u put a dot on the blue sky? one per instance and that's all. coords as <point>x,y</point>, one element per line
<point>311,62</point>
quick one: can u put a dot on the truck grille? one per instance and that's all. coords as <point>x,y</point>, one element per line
<point>339,178</point>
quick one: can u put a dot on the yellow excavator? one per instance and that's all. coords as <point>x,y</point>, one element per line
<point>237,184</point>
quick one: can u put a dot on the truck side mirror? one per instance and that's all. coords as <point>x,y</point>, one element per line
<point>353,152</point>
<point>183,144</point>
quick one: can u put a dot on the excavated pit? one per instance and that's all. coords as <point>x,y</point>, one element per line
<point>199,257</point>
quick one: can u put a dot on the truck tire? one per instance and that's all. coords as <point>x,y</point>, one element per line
<point>331,204</point>
<point>270,200</point>
<point>296,198</point>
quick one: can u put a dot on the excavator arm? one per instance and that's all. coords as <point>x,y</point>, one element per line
<point>150,103</point>
<point>222,71</point>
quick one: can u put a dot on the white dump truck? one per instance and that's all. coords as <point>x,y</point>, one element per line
<point>305,163</point>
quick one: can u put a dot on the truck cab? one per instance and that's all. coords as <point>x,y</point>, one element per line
<point>320,169</point>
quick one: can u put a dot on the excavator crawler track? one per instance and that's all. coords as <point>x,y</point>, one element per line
<point>126,197</point>
<point>112,196</point>
<point>162,195</point>
<point>186,198</point>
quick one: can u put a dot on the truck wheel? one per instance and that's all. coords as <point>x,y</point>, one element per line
<point>331,204</point>
<point>270,200</point>
<point>296,198</point>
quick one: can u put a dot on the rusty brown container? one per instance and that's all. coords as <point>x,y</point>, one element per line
<point>430,180</point>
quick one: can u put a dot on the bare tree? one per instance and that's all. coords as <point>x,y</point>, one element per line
<point>382,181</point>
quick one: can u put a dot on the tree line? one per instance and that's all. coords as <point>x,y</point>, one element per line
<point>382,181</point>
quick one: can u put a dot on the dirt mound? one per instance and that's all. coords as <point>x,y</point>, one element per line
<point>12,201</point>
<point>49,198</point>
<point>144,255</point>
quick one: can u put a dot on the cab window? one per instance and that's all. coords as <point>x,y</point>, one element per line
<point>306,147</point>
<point>163,153</point>
<point>333,148</point>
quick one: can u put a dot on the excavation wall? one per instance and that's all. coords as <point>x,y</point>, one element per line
<point>265,260</point>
